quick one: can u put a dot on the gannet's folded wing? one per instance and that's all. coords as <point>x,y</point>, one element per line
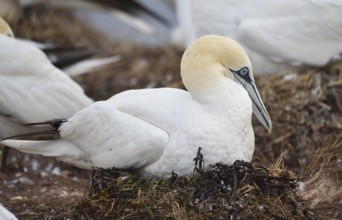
<point>144,103</point>
<point>311,39</point>
<point>111,137</point>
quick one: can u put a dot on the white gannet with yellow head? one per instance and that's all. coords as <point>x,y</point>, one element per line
<point>160,130</point>
<point>31,88</point>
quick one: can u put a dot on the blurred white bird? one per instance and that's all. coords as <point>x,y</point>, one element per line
<point>31,88</point>
<point>74,61</point>
<point>5,214</point>
<point>277,35</point>
<point>160,130</point>
<point>10,9</point>
<point>90,65</point>
<point>128,11</point>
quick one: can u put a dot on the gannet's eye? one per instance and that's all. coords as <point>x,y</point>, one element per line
<point>244,71</point>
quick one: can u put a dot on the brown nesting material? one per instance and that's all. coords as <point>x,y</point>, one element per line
<point>305,109</point>
<point>240,191</point>
<point>323,179</point>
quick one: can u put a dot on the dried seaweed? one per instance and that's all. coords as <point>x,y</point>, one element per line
<point>239,191</point>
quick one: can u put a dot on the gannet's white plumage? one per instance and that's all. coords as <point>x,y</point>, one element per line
<point>73,61</point>
<point>134,17</point>
<point>160,130</point>
<point>90,65</point>
<point>5,214</point>
<point>31,88</point>
<point>277,35</point>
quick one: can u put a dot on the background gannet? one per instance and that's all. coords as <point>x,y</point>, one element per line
<point>74,61</point>
<point>10,10</point>
<point>131,12</point>
<point>160,130</point>
<point>277,35</point>
<point>31,88</point>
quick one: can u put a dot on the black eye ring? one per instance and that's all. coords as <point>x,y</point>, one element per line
<point>244,71</point>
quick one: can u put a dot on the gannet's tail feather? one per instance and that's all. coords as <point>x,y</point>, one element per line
<point>42,130</point>
<point>60,149</point>
<point>30,135</point>
<point>51,146</point>
<point>13,129</point>
<point>53,123</point>
<point>36,147</point>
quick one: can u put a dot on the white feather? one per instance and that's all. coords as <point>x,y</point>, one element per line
<point>89,65</point>
<point>5,214</point>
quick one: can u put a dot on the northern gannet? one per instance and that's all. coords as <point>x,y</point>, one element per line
<point>277,35</point>
<point>160,130</point>
<point>31,88</point>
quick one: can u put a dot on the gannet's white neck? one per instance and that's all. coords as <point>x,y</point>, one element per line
<point>201,85</point>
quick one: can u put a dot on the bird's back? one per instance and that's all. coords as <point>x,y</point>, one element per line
<point>32,89</point>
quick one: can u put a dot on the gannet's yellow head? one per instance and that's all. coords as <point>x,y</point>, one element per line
<point>211,58</point>
<point>5,29</point>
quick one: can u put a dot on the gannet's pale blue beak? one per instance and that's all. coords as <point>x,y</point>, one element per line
<point>242,76</point>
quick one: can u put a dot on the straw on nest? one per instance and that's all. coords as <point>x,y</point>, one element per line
<point>323,178</point>
<point>242,190</point>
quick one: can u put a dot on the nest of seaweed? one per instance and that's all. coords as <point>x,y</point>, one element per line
<point>238,191</point>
